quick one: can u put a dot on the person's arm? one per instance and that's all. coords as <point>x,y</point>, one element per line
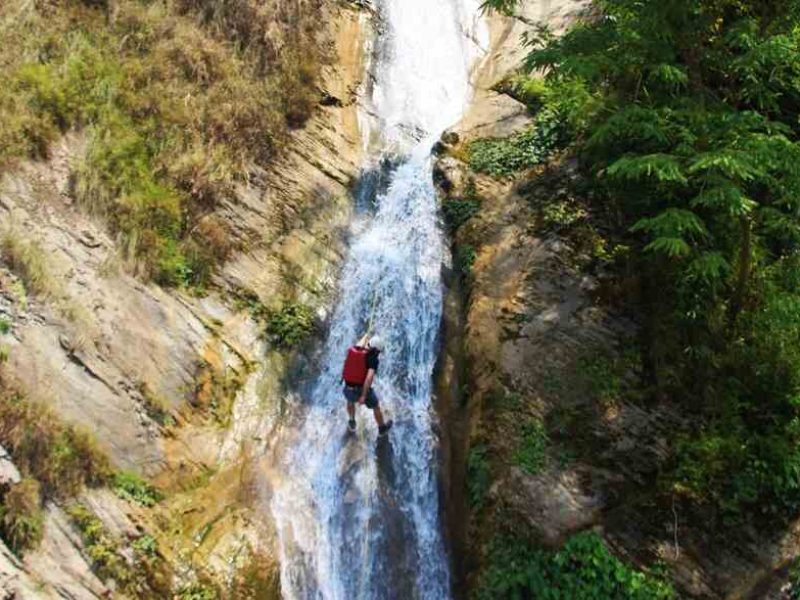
<point>366,386</point>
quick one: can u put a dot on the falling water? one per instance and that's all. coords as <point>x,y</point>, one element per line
<point>359,517</point>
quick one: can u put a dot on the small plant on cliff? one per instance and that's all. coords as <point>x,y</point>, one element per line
<point>198,591</point>
<point>130,486</point>
<point>531,453</point>
<point>504,157</point>
<point>101,548</point>
<point>583,569</point>
<point>146,576</point>
<point>21,523</point>
<point>290,325</point>
<point>479,476</point>
<point>465,259</point>
<point>5,326</point>
<point>458,211</point>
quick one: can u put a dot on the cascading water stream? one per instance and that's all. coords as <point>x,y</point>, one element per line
<point>358,518</point>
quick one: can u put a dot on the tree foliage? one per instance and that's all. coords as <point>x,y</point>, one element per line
<point>685,114</point>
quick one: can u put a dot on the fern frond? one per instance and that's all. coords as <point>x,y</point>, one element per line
<point>662,167</point>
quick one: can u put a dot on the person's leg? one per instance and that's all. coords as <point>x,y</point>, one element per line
<point>378,415</point>
<point>350,397</point>
<point>373,403</point>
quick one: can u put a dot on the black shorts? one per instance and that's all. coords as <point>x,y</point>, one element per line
<point>353,393</point>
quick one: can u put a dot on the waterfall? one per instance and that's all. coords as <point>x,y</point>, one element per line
<point>359,517</point>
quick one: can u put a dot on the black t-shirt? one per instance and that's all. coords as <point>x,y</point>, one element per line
<point>372,359</point>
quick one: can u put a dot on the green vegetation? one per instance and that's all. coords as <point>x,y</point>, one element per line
<point>465,259</point>
<point>531,453</point>
<point>289,326</point>
<point>198,591</point>
<point>583,569</point>
<point>179,99</point>
<point>101,547</point>
<point>504,157</point>
<point>145,545</point>
<point>21,523</point>
<point>133,488</point>
<point>479,476</point>
<point>5,326</point>
<point>458,211</point>
<point>794,580</point>
<point>145,576</point>
<point>684,120</point>
<point>560,215</point>
<point>602,374</point>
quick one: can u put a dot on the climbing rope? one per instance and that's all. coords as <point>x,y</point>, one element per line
<point>370,321</point>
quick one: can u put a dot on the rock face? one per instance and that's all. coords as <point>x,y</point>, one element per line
<point>112,354</point>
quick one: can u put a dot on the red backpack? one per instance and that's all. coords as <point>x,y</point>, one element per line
<point>355,366</point>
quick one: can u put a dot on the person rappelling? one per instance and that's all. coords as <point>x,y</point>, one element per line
<point>358,375</point>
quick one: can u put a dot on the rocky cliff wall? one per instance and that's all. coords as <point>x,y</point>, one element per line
<point>136,364</point>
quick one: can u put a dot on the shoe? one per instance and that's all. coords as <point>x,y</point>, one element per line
<point>351,426</point>
<point>383,430</point>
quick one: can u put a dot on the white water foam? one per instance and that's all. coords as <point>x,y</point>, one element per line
<point>356,518</point>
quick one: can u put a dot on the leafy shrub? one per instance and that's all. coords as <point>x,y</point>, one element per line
<point>101,548</point>
<point>21,523</point>
<point>601,373</point>
<point>62,458</point>
<point>145,545</point>
<point>291,325</point>
<point>144,577</point>
<point>504,157</point>
<point>130,486</point>
<point>465,259</point>
<point>198,591</point>
<point>559,215</point>
<point>5,326</point>
<point>531,453</point>
<point>583,569</point>
<point>479,476</point>
<point>458,211</point>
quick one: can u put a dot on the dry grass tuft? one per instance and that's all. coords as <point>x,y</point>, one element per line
<point>21,523</point>
<point>28,261</point>
<point>62,458</point>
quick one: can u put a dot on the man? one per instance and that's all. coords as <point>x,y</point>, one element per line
<point>363,361</point>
